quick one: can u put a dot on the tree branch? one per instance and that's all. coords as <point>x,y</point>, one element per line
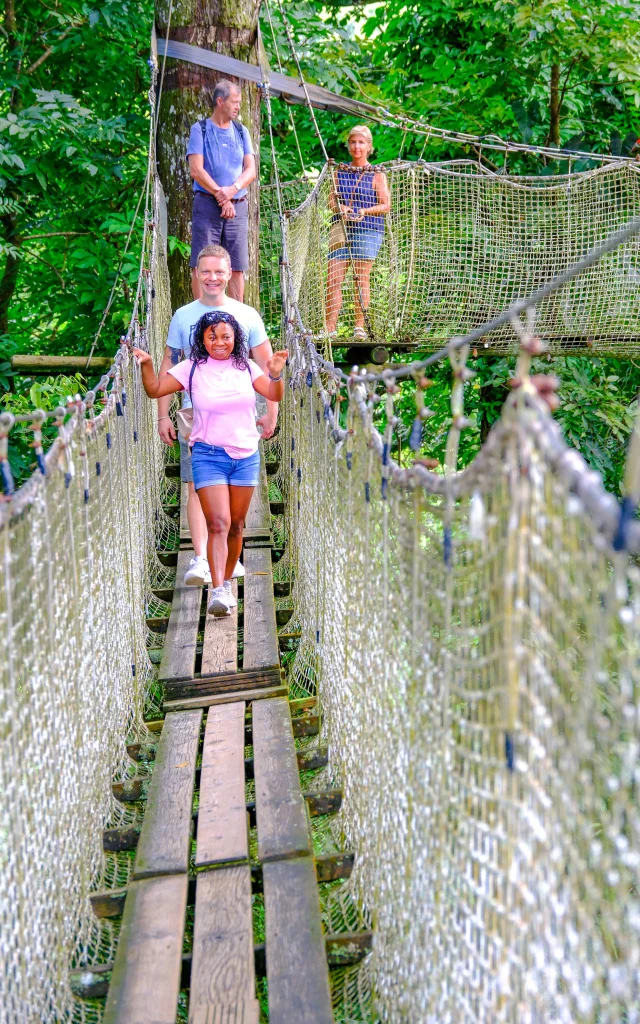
<point>47,264</point>
<point>49,50</point>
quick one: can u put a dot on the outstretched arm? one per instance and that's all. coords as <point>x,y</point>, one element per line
<point>272,386</point>
<point>261,355</point>
<point>154,387</point>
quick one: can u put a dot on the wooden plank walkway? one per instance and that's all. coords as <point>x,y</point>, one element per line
<point>149,967</point>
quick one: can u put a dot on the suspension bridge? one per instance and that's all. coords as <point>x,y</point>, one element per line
<point>399,782</point>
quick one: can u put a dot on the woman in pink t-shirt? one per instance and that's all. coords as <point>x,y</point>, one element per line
<point>222,382</point>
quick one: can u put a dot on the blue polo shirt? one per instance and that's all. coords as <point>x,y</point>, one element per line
<point>223,153</point>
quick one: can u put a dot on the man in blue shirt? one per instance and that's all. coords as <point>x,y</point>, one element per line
<point>222,165</point>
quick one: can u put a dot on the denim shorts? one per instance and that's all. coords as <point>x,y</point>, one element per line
<point>212,465</point>
<point>363,245</point>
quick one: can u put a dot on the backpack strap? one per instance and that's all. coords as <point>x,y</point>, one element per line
<point>236,125</point>
<point>239,133</point>
<point>193,370</point>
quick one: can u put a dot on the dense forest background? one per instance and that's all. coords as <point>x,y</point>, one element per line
<point>74,129</point>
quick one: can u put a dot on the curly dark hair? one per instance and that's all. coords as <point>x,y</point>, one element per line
<point>239,352</point>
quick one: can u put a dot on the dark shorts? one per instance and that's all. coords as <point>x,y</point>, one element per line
<point>209,227</point>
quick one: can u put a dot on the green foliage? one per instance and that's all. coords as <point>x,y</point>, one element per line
<point>480,67</point>
<point>599,402</point>
<point>74,129</point>
<point>47,394</point>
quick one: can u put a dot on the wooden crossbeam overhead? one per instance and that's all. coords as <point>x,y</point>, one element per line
<point>279,85</point>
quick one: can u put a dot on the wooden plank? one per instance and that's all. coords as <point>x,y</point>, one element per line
<point>145,983</point>
<point>283,826</point>
<point>222,971</point>
<point>260,634</point>
<point>329,868</point>
<point>242,1013</point>
<point>297,973</point>
<point>224,698</point>
<point>164,844</point>
<point>251,678</point>
<point>222,814</point>
<point>220,648</point>
<point>179,652</point>
<point>258,522</point>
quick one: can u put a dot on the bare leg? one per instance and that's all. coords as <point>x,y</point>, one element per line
<point>197,522</point>
<point>215,505</point>
<point>195,287</point>
<point>362,289</point>
<point>336,274</point>
<point>239,501</point>
<point>235,288</point>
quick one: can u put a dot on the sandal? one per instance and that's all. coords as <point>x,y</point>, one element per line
<point>360,334</point>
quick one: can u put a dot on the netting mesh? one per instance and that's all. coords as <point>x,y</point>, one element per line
<point>78,569</point>
<point>459,245</point>
<point>474,643</point>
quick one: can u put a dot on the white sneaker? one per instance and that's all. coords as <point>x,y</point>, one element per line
<point>198,574</point>
<point>238,571</point>
<point>229,591</point>
<point>219,602</point>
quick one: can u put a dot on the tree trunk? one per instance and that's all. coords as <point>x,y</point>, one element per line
<point>554,106</point>
<point>9,221</point>
<point>229,27</point>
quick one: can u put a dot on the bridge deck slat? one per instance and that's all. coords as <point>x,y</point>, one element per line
<point>261,648</point>
<point>145,983</point>
<point>222,972</point>
<point>247,1012</point>
<point>283,826</point>
<point>297,972</point>
<point>222,814</point>
<point>226,697</point>
<point>164,844</point>
<point>220,648</point>
<point>179,651</point>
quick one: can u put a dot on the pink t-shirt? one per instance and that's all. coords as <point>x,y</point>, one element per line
<point>224,404</point>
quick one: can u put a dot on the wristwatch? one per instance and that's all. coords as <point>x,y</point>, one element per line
<point>237,186</point>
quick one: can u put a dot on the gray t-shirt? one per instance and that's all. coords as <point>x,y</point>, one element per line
<point>187,317</point>
<point>224,150</point>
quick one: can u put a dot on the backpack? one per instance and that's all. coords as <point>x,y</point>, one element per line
<point>236,125</point>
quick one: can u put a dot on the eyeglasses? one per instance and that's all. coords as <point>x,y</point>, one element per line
<point>218,318</point>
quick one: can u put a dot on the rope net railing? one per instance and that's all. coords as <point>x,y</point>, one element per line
<point>459,245</point>
<point>78,548</point>
<point>474,643</point>
<point>473,639</point>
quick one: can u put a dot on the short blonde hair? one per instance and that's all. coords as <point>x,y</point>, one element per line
<point>218,251</point>
<point>361,129</point>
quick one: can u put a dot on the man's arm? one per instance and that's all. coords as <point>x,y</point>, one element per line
<point>166,428</point>
<point>261,354</point>
<point>198,173</point>
<point>242,181</point>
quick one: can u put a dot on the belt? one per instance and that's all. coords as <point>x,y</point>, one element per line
<point>240,200</point>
